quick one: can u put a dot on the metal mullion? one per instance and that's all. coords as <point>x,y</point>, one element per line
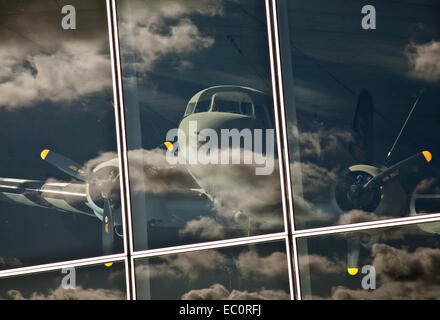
<point>368,225</point>
<point>128,286</point>
<point>290,269</point>
<point>284,135</point>
<point>210,245</point>
<point>60,265</point>
<point>123,159</point>
<point>293,262</point>
<point>275,96</point>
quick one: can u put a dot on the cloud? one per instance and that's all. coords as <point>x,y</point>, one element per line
<point>427,186</point>
<point>358,216</point>
<point>317,180</point>
<point>219,292</point>
<point>155,29</point>
<point>70,294</point>
<point>402,275</point>
<point>423,60</point>
<point>190,266</point>
<point>320,265</point>
<point>205,228</point>
<point>68,71</point>
<point>10,262</point>
<point>250,263</point>
<point>253,204</point>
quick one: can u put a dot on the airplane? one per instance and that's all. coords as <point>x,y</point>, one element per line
<point>362,186</point>
<point>96,192</point>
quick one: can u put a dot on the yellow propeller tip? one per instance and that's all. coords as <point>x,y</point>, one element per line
<point>169,146</point>
<point>108,264</point>
<point>44,153</point>
<point>427,155</point>
<point>352,271</point>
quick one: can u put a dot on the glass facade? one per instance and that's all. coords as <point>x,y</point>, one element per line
<point>219,149</point>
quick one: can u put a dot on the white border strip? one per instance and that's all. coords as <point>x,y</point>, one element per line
<point>276,118</point>
<point>368,225</point>
<point>210,245</point>
<point>128,228</point>
<point>60,265</point>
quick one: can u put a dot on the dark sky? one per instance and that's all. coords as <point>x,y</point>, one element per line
<point>56,93</point>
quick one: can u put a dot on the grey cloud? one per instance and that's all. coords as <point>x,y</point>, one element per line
<point>71,70</point>
<point>254,200</point>
<point>250,263</point>
<point>206,228</point>
<point>70,294</point>
<point>429,185</point>
<point>316,264</point>
<point>358,216</point>
<point>403,275</point>
<point>10,262</point>
<point>400,265</point>
<point>190,266</point>
<point>219,292</point>
<point>423,60</point>
<point>151,30</point>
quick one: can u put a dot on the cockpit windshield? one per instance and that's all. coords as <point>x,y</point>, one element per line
<point>221,105</point>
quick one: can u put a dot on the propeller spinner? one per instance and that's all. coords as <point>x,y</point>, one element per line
<point>102,192</point>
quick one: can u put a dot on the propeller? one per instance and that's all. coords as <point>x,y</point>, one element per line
<point>353,254</point>
<point>108,227</point>
<point>64,164</point>
<point>363,187</point>
<point>392,172</point>
<point>104,185</point>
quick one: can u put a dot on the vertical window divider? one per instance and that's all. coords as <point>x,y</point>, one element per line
<point>122,145</point>
<point>280,119</point>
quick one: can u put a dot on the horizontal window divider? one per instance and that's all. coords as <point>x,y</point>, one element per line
<point>435,217</point>
<point>210,245</point>
<point>61,265</point>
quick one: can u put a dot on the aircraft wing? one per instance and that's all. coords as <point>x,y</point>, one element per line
<point>60,196</point>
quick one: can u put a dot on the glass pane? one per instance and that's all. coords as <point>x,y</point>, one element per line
<point>98,282</point>
<point>56,104</point>
<point>362,108</point>
<point>391,263</point>
<point>255,272</point>
<point>209,174</point>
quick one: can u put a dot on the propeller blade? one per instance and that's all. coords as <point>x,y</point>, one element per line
<point>353,255</point>
<point>64,164</point>
<point>108,235</point>
<point>393,172</point>
<point>363,132</point>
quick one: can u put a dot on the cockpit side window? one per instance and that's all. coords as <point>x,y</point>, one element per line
<point>190,108</point>
<point>261,115</point>
<point>247,109</point>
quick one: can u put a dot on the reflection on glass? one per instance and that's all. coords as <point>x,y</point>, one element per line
<point>100,282</point>
<point>362,110</point>
<point>392,263</point>
<point>199,113</point>
<point>56,104</point>
<point>255,272</point>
